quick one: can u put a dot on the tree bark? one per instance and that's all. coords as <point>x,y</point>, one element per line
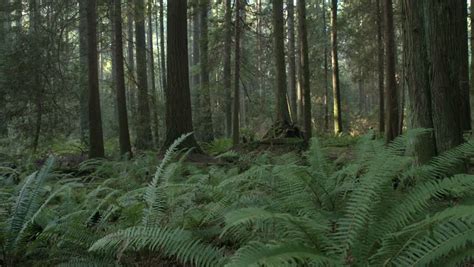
<point>96,141</point>
<point>292,60</point>
<point>227,66</point>
<point>83,86</point>
<point>236,113</point>
<point>303,54</point>
<point>282,113</point>
<point>151,60</point>
<point>117,51</point>
<point>144,136</point>
<point>463,64</point>
<point>442,48</point>
<point>162,44</point>
<point>337,109</point>
<point>132,82</point>
<point>326,70</point>
<point>391,94</point>
<point>178,98</point>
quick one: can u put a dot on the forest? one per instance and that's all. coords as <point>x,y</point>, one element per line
<point>236,133</point>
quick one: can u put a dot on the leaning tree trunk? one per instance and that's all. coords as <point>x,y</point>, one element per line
<point>178,98</point>
<point>236,106</point>
<point>337,109</point>
<point>117,51</point>
<point>303,54</point>
<point>96,141</point>
<point>391,94</point>
<point>282,113</point>
<point>144,136</point>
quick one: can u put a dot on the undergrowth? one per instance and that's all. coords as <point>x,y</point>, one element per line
<point>379,209</point>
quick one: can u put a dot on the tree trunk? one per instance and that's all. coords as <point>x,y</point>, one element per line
<point>282,113</point>
<point>132,82</point>
<point>442,47</point>
<point>206,131</point>
<point>178,98</point>
<point>96,141</point>
<point>380,63</point>
<point>326,71</point>
<point>235,115</point>
<point>472,57</point>
<point>144,136</point>
<point>227,66</point>
<point>337,109</point>
<point>303,54</point>
<point>196,64</point>
<point>154,108</point>
<point>162,45</point>
<point>463,64</point>
<point>83,95</point>
<point>292,61</point>
<point>119,75</point>
<point>391,94</point>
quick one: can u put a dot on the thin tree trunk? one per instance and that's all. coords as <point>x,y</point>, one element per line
<point>326,71</point>
<point>144,136</point>
<point>117,46</point>
<point>227,66</point>
<point>471,93</point>
<point>337,109</point>
<point>391,93</point>
<point>162,45</point>
<point>196,61</point>
<point>303,54</point>
<point>132,87</point>
<point>235,115</point>
<point>178,98</point>
<point>380,63</point>
<point>96,141</point>
<point>292,60</point>
<point>83,96</point>
<point>154,108</point>
<point>207,131</point>
<point>282,112</point>
<point>463,64</point>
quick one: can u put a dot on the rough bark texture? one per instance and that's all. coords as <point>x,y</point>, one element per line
<point>227,66</point>
<point>236,105</point>
<point>463,64</point>
<point>178,98</point>
<point>443,55</point>
<point>282,113</point>
<point>303,54</point>
<point>472,58</point>
<point>117,50</point>
<point>292,60</point>
<point>206,131</point>
<point>336,90</point>
<point>132,82</point>
<point>144,136</point>
<point>391,94</point>
<point>96,141</point>
<point>380,63</point>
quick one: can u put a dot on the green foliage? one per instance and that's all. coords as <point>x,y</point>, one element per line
<point>380,209</point>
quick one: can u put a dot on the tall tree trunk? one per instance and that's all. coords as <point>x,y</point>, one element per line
<point>380,63</point>
<point>391,94</point>
<point>282,113</point>
<point>96,141</point>
<point>292,60</point>
<point>144,136</point>
<point>162,44</point>
<point>196,64</point>
<point>443,56</point>
<point>119,75</point>
<point>463,64</point>
<point>83,95</point>
<point>227,66</point>
<point>154,97</point>
<point>236,113</point>
<point>178,98</point>
<point>132,82</point>
<point>336,90</point>
<point>326,70</point>
<point>207,130</point>
<point>303,54</point>
<point>471,93</point>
